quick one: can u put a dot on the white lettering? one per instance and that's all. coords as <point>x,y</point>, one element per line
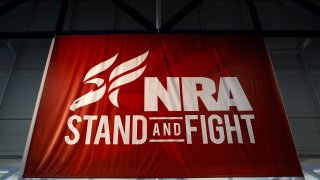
<point>153,90</point>
<point>143,121</point>
<point>156,130</point>
<point>103,126</point>
<point>235,128</point>
<point>194,89</point>
<point>248,119</point>
<point>191,94</point>
<point>219,129</point>
<point>189,128</point>
<point>118,127</point>
<point>231,85</point>
<point>166,129</point>
<point>73,130</point>
<point>176,129</point>
<point>89,126</point>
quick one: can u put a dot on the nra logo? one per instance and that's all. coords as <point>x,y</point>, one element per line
<point>179,94</point>
<point>159,106</point>
<point>118,75</point>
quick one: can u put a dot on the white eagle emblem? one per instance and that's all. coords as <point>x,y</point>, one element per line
<point>118,74</point>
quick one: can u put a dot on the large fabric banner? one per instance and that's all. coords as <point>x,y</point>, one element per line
<point>160,106</point>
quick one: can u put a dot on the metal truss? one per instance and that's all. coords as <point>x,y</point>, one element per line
<point>165,28</point>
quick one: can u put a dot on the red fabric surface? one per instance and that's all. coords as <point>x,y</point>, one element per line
<point>210,56</point>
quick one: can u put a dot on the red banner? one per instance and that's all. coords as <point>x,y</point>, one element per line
<point>160,106</point>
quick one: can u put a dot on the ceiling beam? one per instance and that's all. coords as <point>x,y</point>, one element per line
<point>134,14</point>
<point>254,15</point>
<point>181,14</point>
<point>309,5</point>
<point>62,15</point>
<point>10,5</point>
<point>263,33</point>
<point>27,35</point>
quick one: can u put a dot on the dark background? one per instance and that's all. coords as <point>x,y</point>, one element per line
<point>291,29</point>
